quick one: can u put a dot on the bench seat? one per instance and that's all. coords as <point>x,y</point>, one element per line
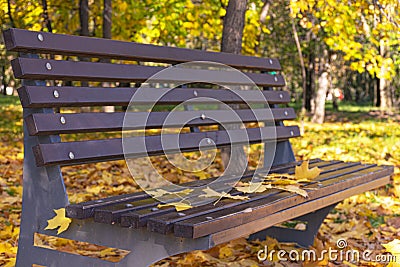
<point>337,181</point>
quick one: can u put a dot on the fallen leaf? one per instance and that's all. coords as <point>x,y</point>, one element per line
<point>107,252</point>
<point>179,206</point>
<point>225,252</point>
<point>253,188</point>
<point>278,176</point>
<point>294,189</point>
<point>58,221</point>
<point>303,172</point>
<point>162,192</point>
<point>95,190</point>
<point>202,175</point>
<point>212,193</point>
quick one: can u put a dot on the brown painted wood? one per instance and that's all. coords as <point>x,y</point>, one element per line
<point>19,40</point>
<point>46,124</point>
<point>43,96</point>
<point>111,149</point>
<point>242,214</point>
<point>291,212</point>
<point>36,69</point>
<point>86,209</point>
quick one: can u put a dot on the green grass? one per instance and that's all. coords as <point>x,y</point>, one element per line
<point>8,100</point>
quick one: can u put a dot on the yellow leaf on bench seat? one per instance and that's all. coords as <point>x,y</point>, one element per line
<point>303,172</point>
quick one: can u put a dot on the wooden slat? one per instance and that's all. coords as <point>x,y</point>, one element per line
<point>111,149</point>
<point>162,220</point>
<point>242,214</point>
<point>45,124</point>
<point>35,69</point>
<point>291,212</point>
<point>86,209</point>
<point>43,96</point>
<point>27,41</point>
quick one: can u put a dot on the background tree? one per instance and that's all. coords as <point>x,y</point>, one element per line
<point>361,38</point>
<point>365,32</point>
<point>232,43</point>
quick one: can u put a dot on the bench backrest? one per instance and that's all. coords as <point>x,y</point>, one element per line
<point>93,60</point>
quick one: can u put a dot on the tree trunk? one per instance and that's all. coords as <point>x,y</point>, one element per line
<point>264,11</point>
<point>12,23</point>
<point>107,19</point>
<point>385,95</point>
<point>46,19</point>
<point>84,17</point>
<point>233,26</point>
<point>303,68</point>
<point>107,34</point>
<point>323,85</point>
<point>384,85</point>
<point>84,31</point>
<point>235,159</point>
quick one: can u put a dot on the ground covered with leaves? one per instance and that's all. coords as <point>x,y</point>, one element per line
<point>366,222</point>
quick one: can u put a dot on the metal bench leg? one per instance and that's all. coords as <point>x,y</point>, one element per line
<point>43,188</point>
<point>302,238</point>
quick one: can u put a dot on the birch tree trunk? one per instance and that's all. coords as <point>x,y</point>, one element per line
<point>384,85</point>
<point>323,85</point>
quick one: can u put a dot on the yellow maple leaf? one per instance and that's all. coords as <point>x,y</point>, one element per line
<point>278,176</point>
<point>212,193</point>
<point>294,189</point>
<point>394,249</point>
<point>161,192</point>
<point>58,221</point>
<point>179,206</point>
<point>303,172</point>
<point>253,188</point>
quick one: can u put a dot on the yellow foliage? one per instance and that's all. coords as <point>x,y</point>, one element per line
<point>225,252</point>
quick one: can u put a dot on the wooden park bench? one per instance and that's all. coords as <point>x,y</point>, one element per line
<point>133,222</point>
